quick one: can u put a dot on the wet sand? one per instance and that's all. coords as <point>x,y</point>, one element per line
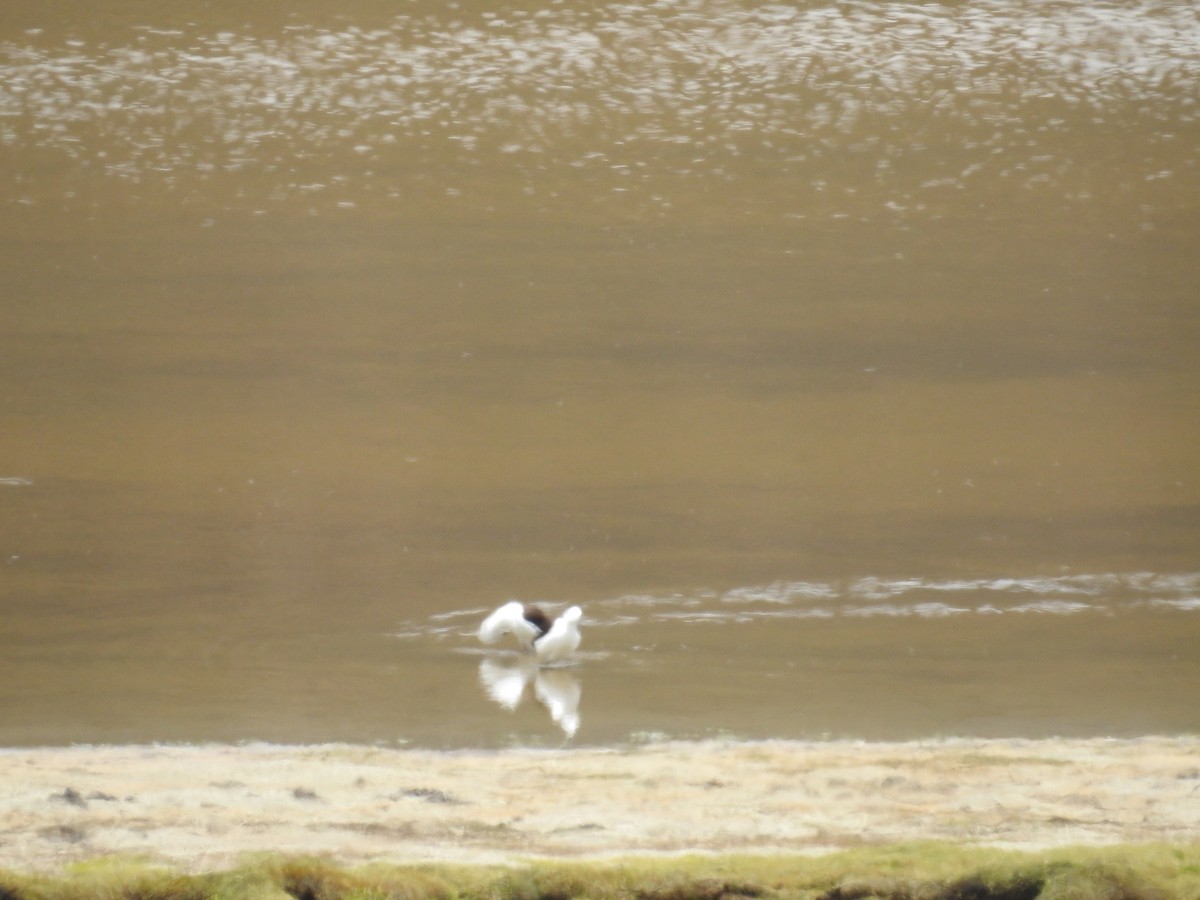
<point>200,808</point>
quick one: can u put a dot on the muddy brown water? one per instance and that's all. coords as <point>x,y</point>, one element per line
<point>840,360</point>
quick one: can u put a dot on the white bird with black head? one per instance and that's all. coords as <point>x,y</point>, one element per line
<point>550,639</point>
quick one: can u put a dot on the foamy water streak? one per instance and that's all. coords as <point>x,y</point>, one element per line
<point>712,80</point>
<point>871,597</point>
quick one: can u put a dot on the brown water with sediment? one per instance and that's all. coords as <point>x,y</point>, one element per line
<point>839,360</point>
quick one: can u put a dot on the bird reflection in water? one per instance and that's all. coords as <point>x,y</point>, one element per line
<point>557,690</point>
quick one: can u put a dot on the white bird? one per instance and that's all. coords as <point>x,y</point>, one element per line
<point>525,623</point>
<point>552,640</point>
<point>561,640</point>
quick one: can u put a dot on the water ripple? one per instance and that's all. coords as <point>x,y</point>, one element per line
<point>879,598</point>
<point>620,92</point>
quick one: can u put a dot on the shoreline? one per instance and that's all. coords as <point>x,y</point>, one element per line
<point>203,807</point>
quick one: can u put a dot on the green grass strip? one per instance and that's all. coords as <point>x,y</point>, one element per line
<point>931,871</point>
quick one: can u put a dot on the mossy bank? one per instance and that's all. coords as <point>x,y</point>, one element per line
<point>927,871</point>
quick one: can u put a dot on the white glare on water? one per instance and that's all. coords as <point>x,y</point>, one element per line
<point>697,81</point>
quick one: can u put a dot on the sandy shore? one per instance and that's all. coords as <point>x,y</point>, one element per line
<point>201,807</point>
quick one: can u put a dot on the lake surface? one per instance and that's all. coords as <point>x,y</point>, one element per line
<point>840,360</point>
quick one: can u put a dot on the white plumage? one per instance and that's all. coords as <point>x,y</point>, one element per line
<point>509,619</point>
<point>550,640</point>
<point>561,640</point>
